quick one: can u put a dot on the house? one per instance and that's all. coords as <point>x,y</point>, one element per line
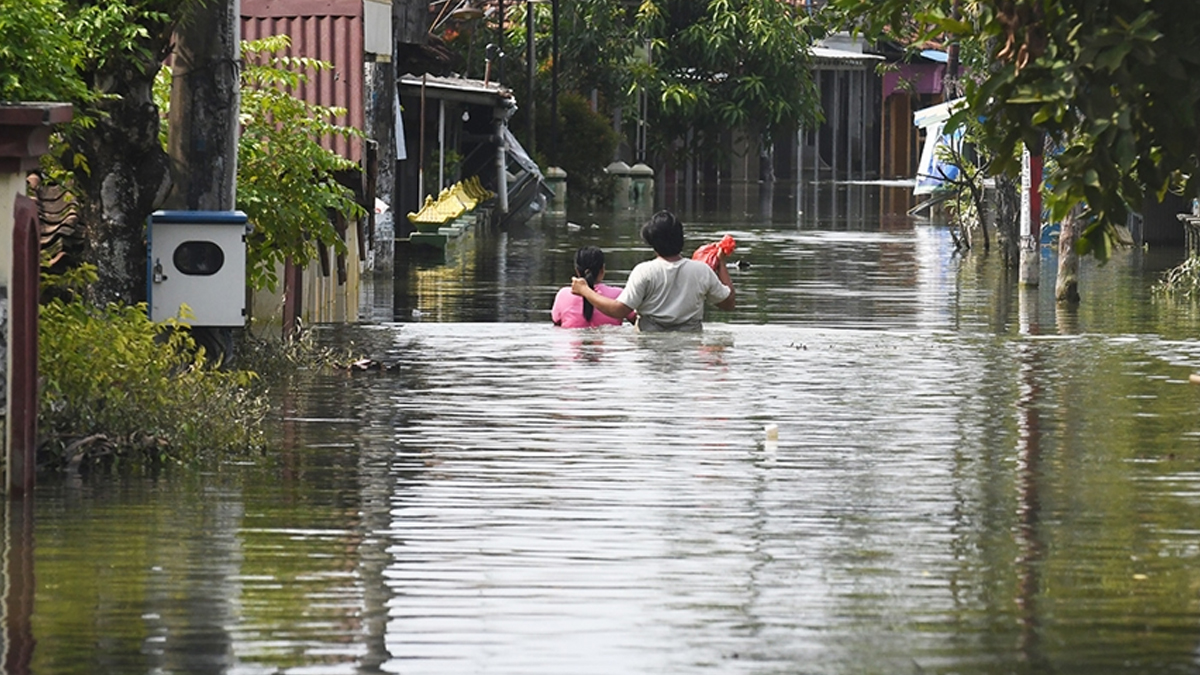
<point>456,128</point>
<point>913,81</point>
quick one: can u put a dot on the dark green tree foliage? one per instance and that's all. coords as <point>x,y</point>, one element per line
<point>595,50</point>
<point>585,151</point>
<point>1114,85</point>
<point>595,53</point>
<point>706,66</point>
<point>724,64</point>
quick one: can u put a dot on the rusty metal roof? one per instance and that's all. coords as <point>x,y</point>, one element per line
<point>329,30</point>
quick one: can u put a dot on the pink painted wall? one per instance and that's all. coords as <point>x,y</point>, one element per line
<point>926,77</point>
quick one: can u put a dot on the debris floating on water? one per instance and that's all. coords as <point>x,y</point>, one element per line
<point>772,431</point>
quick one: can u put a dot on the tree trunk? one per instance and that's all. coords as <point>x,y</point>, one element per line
<point>204,109</point>
<point>950,82</point>
<point>1007,220</point>
<point>1066,290</point>
<point>126,178</point>
<point>766,159</point>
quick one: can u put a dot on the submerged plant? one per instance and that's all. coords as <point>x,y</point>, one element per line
<point>116,384</point>
<point>1181,281</point>
<point>273,359</point>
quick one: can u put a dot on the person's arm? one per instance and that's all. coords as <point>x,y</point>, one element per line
<point>723,276</point>
<point>609,306</point>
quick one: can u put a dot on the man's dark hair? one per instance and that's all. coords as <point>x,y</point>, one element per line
<point>664,233</point>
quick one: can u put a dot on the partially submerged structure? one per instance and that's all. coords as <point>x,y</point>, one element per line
<point>456,129</point>
<point>912,81</point>
<point>845,146</point>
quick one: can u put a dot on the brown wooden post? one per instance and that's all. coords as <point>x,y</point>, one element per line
<point>24,137</point>
<point>23,348</point>
<point>293,283</point>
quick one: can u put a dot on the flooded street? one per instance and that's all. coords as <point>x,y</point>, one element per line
<point>967,479</point>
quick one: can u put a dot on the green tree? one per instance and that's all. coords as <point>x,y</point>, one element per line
<point>705,67</point>
<point>587,154</point>
<point>39,60</point>
<point>100,56</point>
<point>287,181</point>
<point>1113,85</point>
<point>724,64</point>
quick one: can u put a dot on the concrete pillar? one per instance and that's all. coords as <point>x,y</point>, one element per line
<point>24,137</point>
<point>641,192</point>
<point>622,183</point>
<point>556,180</point>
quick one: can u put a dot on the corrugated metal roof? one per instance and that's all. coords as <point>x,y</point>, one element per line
<point>459,88</point>
<point>841,56</point>
<point>331,31</point>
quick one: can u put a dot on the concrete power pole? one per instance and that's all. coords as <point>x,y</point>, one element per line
<point>202,140</point>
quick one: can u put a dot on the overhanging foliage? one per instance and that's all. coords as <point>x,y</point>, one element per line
<point>1114,86</point>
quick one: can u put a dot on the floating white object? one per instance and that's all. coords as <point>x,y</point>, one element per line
<point>772,432</point>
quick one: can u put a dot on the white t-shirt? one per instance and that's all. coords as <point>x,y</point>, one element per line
<point>671,295</point>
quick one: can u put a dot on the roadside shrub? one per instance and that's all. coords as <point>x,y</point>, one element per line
<point>116,384</point>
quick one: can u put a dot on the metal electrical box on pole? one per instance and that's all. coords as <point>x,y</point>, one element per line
<point>198,259</point>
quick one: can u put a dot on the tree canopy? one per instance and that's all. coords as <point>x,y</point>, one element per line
<point>1113,86</point>
<point>725,64</point>
<point>705,67</point>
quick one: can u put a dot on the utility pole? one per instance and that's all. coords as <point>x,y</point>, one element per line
<point>554,85</point>
<point>202,140</point>
<point>500,41</point>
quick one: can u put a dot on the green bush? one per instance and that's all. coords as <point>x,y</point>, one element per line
<point>585,148</point>
<point>116,384</point>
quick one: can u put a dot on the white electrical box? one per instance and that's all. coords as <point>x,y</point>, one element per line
<point>198,259</point>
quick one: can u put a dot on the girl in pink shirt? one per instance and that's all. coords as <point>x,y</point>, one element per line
<point>572,311</point>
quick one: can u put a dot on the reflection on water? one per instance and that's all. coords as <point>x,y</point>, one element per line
<point>967,479</point>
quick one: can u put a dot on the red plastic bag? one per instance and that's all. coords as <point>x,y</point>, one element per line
<point>710,254</point>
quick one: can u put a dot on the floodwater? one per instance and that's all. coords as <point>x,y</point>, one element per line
<point>967,479</point>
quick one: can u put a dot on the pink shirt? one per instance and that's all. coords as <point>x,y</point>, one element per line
<point>568,309</point>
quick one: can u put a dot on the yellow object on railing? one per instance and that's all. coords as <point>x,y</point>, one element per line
<point>427,214</point>
<point>452,202</point>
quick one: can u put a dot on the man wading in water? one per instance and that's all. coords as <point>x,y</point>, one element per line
<point>669,292</point>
